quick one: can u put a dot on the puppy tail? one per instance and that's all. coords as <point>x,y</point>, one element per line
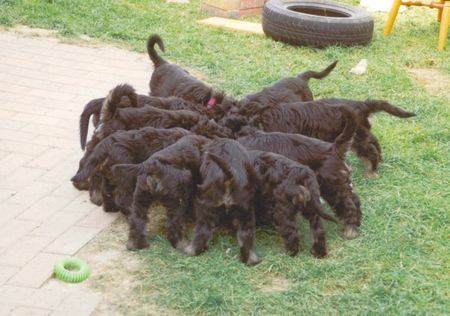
<point>120,170</point>
<point>156,59</point>
<point>314,191</point>
<point>93,107</point>
<point>306,75</point>
<point>373,106</point>
<point>113,99</point>
<point>221,164</point>
<point>343,141</point>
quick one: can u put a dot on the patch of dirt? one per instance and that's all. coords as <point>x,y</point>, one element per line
<point>277,284</point>
<point>435,82</point>
<point>115,270</point>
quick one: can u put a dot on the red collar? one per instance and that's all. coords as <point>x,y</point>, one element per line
<point>211,103</point>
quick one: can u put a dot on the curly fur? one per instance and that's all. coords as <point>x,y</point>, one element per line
<point>285,187</point>
<point>326,159</point>
<point>325,119</point>
<point>170,176</point>
<point>172,80</point>
<point>119,148</point>
<point>227,189</point>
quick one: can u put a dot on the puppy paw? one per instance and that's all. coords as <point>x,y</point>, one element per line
<point>350,232</point>
<point>189,250</point>
<point>371,174</point>
<point>137,244</point>
<point>253,259</point>
<point>318,251</point>
<point>292,252</point>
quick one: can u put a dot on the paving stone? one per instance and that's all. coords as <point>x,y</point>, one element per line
<point>80,204</point>
<point>20,178</point>
<point>14,230</point>
<point>12,161</point>
<point>66,189</point>
<point>50,158</point>
<point>57,224</point>
<point>12,124</point>
<point>79,304</point>
<point>30,311</point>
<point>5,310</point>
<point>6,272</point>
<point>6,194</point>
<point>36,271</point>
<point>24,250</point>
<point>98,218</point>
<point>21,147</point>
<point>44,208</point>
<point>32,193</point>
<point>10,211</point>
<point>29,297</point>
<point>72,240</point>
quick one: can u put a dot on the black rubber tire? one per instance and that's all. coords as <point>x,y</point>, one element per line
<point>309,23</point>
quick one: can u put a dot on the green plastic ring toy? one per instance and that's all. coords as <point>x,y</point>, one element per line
<point>71,269</point>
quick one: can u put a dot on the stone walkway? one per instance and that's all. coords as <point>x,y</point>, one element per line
<point>44,85</point>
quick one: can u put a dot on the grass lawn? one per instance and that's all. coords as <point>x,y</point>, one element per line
<point>401,262</point>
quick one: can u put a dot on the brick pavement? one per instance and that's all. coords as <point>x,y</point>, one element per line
<point>44,85</point>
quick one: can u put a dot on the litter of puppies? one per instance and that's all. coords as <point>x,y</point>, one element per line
<point>212,160</point>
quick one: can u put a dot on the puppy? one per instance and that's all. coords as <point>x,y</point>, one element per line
<point>285,187</point>
<point>170,176</point>
<point>122,147</point>
<point>289,89</point>
<point>227,188</point>
<point>172,80</point>
<point>93,108</point>
<point>324,119</point>
<point>328,160</point>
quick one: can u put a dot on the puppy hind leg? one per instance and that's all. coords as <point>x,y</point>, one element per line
<point>175,225</point>
<point>206,219</point>
<point>246,237</point>
<point>319,247</point>
<point>286,224</point>
<point>138,218</point>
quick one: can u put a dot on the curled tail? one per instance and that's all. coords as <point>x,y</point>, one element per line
<point>93,107</point>
<point>314,191</point>
<point>343,141</point>
<point>306,75</point>
<point>372,106</point>
<point>113,99</point>
<point>156,59</point>
<point>222,164</point>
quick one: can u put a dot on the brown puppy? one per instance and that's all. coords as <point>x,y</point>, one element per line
<point>227,189</point>
<point>121,147</point>
<point>93,108</point>
<point>289,89</point>
<point>328,160</point>
<point>170,176</point>
<point>172,80</point>
<point>287,187</point>
<point>324,119</point>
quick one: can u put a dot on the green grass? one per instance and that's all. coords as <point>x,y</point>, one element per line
<point>399,264</point>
